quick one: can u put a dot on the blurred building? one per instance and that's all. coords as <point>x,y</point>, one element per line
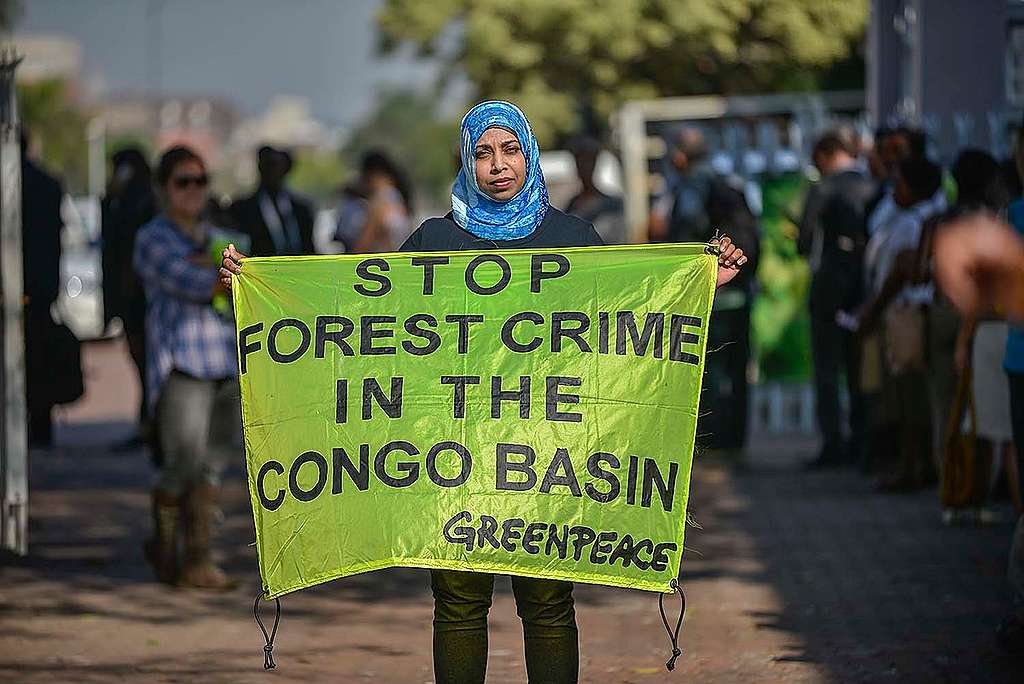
<point>48,56</point>
<point>200,121</point>
<point>955,67</point>
<point>288,122</point>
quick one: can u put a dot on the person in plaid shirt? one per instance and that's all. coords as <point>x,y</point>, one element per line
<point>191,372</point>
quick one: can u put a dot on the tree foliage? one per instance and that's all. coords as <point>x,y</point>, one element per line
<point>318,174</point>
<point>58,126</point>
<point>571,58</point>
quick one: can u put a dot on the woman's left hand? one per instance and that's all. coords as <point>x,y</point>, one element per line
<point>230,266</point>
<point>730,259</point>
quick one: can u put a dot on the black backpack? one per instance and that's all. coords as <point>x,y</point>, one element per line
<point>725,212</point>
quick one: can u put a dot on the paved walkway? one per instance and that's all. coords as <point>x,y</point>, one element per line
<point>794,577</point>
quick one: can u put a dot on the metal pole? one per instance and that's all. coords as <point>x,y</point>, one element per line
<point>96,136</point>
<point>13,417</point>
<point>634,166</point>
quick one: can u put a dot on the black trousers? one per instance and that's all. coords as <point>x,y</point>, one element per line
<point>461,603</point>
<point>137,350</point>
<point>835,354</point>
<point>133,318</point>
<point>40,374</point>
<point>724,398</point>
<point>1017,419</point>
<point>1016,566</point>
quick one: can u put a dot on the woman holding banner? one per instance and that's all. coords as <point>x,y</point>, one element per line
<point>500,201</point>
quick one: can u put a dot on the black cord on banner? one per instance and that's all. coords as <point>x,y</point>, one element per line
<point>268,649</point>
<point>711,249</point>
<point>673,635</point>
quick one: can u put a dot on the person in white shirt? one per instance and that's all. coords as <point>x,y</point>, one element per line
<point>901,424</point>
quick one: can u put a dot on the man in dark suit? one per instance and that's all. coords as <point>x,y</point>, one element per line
<point>129,204</point>
<point>833,237</point>
<point>41,223</point>
<point>277,221</point>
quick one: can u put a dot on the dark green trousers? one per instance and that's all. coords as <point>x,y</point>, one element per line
<point>461,602</point>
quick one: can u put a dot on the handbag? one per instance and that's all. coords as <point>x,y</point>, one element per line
<point>53,361</point>
<point>904,338</point>
<point>960,450</point>
<point>871,371</point>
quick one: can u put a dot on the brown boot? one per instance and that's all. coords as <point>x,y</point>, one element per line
<point>200,571</point>
<point>162,548</point>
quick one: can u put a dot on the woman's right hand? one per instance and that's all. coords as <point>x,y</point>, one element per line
<point>231,266</point>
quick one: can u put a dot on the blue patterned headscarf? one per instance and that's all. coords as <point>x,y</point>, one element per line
<point>473,209</point>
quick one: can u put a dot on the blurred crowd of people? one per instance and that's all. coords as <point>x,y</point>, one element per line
<point>921,379</point>
<point>936,390</point>
<point>932,396</point>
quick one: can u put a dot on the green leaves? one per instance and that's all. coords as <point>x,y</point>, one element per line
<point>554,57</point>
<point>56,124</point>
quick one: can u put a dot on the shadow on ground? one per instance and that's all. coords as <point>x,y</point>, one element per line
<point>872,586</point>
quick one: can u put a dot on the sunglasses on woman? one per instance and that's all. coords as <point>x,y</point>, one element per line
<point>182,182</point>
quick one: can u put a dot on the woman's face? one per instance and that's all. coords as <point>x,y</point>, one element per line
<point>187,189</point>
<point>500,164</point>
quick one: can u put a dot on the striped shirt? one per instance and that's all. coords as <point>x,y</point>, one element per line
<point>183,332</point>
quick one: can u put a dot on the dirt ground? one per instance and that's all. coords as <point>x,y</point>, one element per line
<point>792,577</point>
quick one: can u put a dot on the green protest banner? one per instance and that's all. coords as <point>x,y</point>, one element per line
<point>520,411</point>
